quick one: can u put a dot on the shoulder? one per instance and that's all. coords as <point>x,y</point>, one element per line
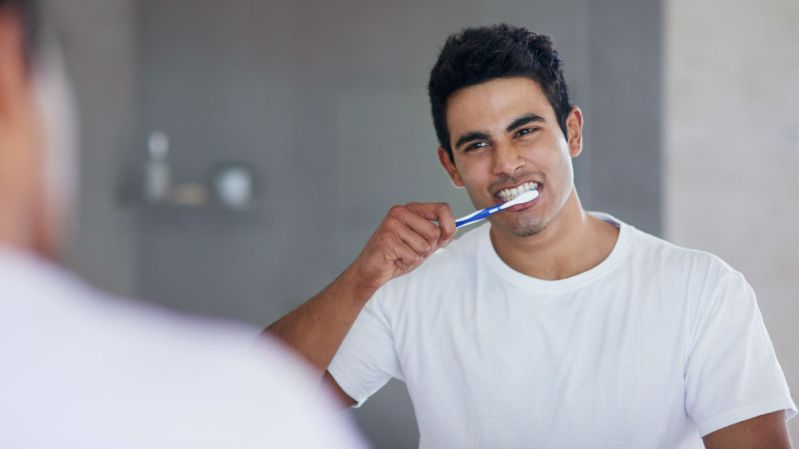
<point>61,318</point>
<point>703,280</point>
<point>146,362</point>
<point>677,260</point>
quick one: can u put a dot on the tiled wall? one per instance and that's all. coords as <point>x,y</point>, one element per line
<point>98,39</point>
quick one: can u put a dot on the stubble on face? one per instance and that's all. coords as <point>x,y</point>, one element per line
<point>520,224</point>
<point>524,228</point>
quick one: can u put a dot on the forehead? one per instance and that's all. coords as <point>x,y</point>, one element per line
<point>494,103</point>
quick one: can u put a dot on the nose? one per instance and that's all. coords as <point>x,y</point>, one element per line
<point>506,160</point>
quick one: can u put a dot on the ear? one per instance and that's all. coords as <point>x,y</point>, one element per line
<point>574,130</point>
<point>450,168</point>
<point>13,73</point>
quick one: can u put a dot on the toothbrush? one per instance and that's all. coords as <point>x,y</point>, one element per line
<point>474,217</point>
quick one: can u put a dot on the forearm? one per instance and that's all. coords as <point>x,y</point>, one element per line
<point>316,329</point>
<point>404,239</point>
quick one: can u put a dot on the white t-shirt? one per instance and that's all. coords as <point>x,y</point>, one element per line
<point>656,346</point>
<point>83,371</point>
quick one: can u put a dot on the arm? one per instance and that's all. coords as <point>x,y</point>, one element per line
<point>316,328</point>
<point>766,431</point>
<point>402,242</point>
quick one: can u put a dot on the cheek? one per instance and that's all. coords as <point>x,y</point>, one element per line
<point>475,170</point>
<point>558,162</point>
<point>562,175</point>
<point>566,162</point>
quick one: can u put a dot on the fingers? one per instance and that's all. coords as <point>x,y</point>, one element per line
<point>417,217</point>
<point>439,212</point>
<point>407,256</point>
<point>399,250</point>
<point>418,225</point>
<point>405,238</point>
<point>414,239</point>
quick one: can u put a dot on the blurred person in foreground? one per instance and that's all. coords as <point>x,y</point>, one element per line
<point>81,370</point>
<point>550,326</point>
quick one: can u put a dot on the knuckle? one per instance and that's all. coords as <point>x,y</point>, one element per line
<point>385,238</point>
<point>391,221</point>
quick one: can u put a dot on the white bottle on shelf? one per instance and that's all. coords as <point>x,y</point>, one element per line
<point>157,173</point>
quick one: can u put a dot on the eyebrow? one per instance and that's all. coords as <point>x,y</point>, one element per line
<point>480,135</point>
<point>523,120</point>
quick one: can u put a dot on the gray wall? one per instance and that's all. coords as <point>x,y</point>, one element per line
<point>99,41</point>
<point>327,101</point>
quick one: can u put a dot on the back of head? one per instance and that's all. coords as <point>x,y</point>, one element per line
<point>476,55</point>
<point>28,13</point>
<point>16,118</point>
<point>37,141</point>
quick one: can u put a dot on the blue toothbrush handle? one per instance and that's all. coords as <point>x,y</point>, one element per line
<point>476,216</point>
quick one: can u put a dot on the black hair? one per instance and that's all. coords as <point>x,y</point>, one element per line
<point>476,55</point>
<point>28,11</point>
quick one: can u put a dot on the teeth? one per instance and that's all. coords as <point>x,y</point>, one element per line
<point>509,194</point>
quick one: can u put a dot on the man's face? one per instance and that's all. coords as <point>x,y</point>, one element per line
<point>505,135</point>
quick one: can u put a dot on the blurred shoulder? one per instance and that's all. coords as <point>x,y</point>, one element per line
<point>218,383</point>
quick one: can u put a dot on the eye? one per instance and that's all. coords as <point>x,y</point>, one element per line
<point>475,146</point>
<point>524,132</point>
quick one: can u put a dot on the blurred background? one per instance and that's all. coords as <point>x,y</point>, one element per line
<point>290,127</point>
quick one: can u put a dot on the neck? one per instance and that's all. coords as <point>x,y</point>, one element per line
<point>571,243</point>
<point>22,229</point>
<point>13,233</point>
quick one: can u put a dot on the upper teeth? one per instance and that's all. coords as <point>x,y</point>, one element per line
<point>509,194</point>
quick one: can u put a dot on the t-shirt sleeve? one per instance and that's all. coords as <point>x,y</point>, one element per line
<point>732,373</point>
<point>367,358</point>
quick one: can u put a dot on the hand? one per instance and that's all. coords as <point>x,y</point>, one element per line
<point>405,239</point>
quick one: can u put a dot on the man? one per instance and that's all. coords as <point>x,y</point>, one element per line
<point>550,327</point>
<point>80,370</point>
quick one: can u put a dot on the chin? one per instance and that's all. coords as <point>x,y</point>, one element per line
<point>523,228</point>
<point>527,231</point>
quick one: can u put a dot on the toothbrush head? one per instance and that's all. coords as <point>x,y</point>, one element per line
<point>525,197</point>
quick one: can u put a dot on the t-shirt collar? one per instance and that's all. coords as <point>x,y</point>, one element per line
<point>492,261</point>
